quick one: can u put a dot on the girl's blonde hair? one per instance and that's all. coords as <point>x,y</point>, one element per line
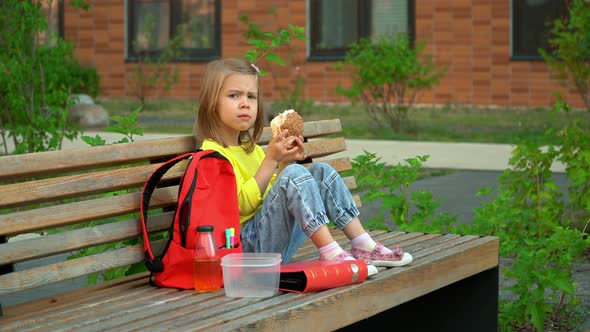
<point>208,122</point>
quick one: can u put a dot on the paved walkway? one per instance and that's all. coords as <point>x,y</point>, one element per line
<point>463,156</point>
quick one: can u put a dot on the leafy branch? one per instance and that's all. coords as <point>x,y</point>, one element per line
<point>265,43</point>
<point>124,125</point>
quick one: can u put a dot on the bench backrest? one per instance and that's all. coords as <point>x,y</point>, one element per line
<point>85,197</point>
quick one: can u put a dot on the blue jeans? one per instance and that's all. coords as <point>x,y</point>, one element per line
<point>300,201</point>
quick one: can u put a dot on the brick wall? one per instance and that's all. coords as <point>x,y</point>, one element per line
<point>470,37</point>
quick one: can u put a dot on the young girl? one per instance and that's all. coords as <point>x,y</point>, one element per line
<point>281,202</point>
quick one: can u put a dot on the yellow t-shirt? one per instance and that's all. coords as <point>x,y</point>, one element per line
<point>245,167</point>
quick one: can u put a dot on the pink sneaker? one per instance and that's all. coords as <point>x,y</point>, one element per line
<point>345,255</point>
<point>378,258</point>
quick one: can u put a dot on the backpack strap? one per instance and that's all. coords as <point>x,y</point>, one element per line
<point>153,264</point>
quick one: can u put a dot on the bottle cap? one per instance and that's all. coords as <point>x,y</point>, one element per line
<point>205,228</point>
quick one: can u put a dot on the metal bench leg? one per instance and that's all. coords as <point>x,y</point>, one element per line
<point>4,269</point>
<point>468,305</point>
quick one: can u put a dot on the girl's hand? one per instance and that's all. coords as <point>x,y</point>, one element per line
<point>285,150</point>
<point>281,151</point>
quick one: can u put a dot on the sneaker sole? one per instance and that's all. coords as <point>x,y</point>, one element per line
<point>371,270</point>
<point>407,259</point>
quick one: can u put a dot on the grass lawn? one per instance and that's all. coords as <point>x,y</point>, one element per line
<point>443,124</point>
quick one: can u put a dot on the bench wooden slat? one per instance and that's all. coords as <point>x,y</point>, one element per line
<point>339,164</point>
<point>208,319</point>
<point>74,268</point>
<point>100,208</point>
<point>51,162</point>
<point>122,178</point>
<point>109,309</point>
<point>33,309</point>
<point>76,212</point>
<point>69,241</point>
<point>435,240</point>
<point>79,185</point>
<point>142,317</point>
<point>311,129</point>
<point>55,162</point>
<point>60,318</point>
<point>325,147</point>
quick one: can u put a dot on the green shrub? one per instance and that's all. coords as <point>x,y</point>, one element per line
<point>570,43</point>
<point>388,75</point>
<point>36,81</point>
<point>392,186</point>
<point>528,215</point>
<point>88,78</point>
<point>150,71</point>
<point>542,233</point>
<point>264,42</point>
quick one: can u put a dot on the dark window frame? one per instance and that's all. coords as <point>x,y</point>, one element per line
<point>364,29</point>
<point>189,54</point>
<point>518,52</point>
<point>60,18</point>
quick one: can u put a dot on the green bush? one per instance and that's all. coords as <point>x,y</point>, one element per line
<point>392,186</point>
<point>290,96</point>
<point>542,233</point>
<point>388,75</point>
<point>529,216</point>
<point>36,81</point>
<point>88,78</point>
<point>570,43</point>
<point>150,71</point>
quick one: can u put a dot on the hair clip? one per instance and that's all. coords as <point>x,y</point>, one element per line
<point>255,68</point>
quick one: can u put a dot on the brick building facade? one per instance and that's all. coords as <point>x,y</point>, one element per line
<point>472,38</point>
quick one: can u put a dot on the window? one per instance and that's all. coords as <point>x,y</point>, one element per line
<point>336,24</point>
<point>530,29</point>
<point>154,26</point>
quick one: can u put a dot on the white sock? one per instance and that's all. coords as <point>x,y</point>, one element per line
<point>363,241</point>
<point>328,252</point>
<point>366,242</point>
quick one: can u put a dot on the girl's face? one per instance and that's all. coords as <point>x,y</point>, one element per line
<point>237,105</point>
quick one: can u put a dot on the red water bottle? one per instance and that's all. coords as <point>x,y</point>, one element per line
<point>207,273</point>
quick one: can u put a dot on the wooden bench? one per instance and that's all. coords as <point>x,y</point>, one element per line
<point>85,197</point>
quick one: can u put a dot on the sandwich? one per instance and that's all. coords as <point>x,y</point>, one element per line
<point>289,120</point>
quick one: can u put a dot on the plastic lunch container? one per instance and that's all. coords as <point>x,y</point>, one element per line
<point>251,274</point>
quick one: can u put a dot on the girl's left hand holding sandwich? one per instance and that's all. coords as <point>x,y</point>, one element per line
<point>284,149</point>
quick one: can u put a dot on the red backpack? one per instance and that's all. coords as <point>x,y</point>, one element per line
<point>207,195</point>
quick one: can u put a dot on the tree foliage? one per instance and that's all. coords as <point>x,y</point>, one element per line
<point>264,43</point>
<point>36,80</point>
<point>540,231</point>
<point>570,48</point>
<point>388,75</point>
<point>152,70</point>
